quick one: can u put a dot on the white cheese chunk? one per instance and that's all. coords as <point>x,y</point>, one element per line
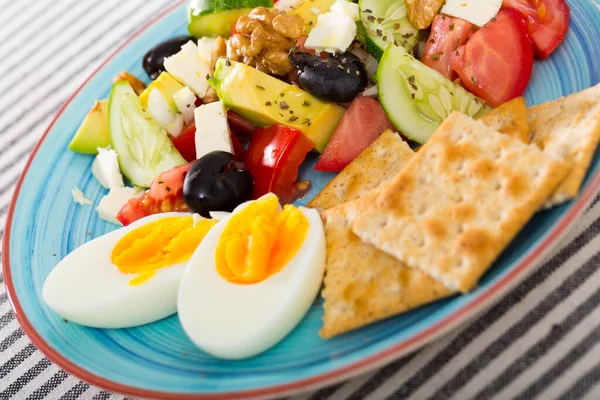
<point>205,48</point>
<point>105,168</point>
<point>344,7</point>
<point>176,126</point>
<point>287,5</point>
<point>212,129</point>
<point>332,33</point>
<point>111,204</point>
<point>185,100</point>
<point>159,108</point>
<point>79,197</point>
<point>477,12</point>
<point>189,69</point>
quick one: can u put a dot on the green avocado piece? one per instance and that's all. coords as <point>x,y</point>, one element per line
<point>265,100</point>
<point>93,131</point>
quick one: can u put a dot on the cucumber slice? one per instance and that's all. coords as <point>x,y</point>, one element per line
<point>383,22</point>
<point>417,98</point>
<point>215,17</point>
<point>143,147</point>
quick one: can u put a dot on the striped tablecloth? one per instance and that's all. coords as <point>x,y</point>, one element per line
<point>540,341</point>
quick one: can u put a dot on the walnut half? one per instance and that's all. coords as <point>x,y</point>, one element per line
<point>264,40</point>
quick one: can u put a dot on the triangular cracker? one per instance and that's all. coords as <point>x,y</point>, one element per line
<point>363,284</point>
<point>568,128</point>
<point>459,201</point>
<point>509,118</point>
<point>378,163</point>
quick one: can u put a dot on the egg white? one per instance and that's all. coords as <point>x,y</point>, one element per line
<point>88,289</point>
<point>234,321</point>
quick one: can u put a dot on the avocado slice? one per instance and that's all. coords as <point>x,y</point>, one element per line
<point>93,131</point>
<point>167,85</point>
<point>265,100</point>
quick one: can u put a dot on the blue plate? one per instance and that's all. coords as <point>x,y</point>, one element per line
<point>158,360</point>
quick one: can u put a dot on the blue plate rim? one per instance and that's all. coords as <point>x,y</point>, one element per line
<point>469,310</point>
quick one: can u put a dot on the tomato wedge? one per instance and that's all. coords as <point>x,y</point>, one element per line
<point>273,158</point>
<point>165,195</point>
<point>186,143</point>
<point>497,61</point>
<point>361,124</point>
<point>447,35</point>
<point>547,22</point>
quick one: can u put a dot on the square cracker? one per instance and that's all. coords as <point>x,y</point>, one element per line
<point>459,201</point>
<point>509,118</point>
<point>568,128</point>
<point>363,284</point>
<point>378,163</point>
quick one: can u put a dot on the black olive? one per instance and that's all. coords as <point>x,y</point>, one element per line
<point>338,78</point>
<point>216,183</point>
<point>154,59</point>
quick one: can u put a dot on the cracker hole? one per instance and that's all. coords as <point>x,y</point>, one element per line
<point>460,229</point>
<point>497,186</point>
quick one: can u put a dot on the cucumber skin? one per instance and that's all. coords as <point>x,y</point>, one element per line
<point>202,8</point>
<point>399,121</point>
<point>172,158</point>
<point>363,37</point>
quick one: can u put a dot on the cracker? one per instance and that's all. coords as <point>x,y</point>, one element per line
<point>459,201</point>
<point>510,118</point>
<point>378,163</point>
<point>568,128</point>
<point>363,284</point>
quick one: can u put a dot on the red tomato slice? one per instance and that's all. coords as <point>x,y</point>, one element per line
<point>273,158</point>
<point>186,143</point>
<point>165,195</point>
<point>360,126</point>
<point>497,61</point>
<point>447,35</point>
<point>547,21</point>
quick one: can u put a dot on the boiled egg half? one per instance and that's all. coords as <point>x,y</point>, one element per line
<point>252,279</point>
<point>127,277</point>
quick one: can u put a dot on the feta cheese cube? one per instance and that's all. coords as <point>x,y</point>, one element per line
<point>287,5</point>
<point>79,197</point>
<point>189,69</point>
<point>477,12</point>
<point>105,168</point>
<point>176,126</point>
<point>332,33</point>
<point>185,100</point>
<point>344,7</point>
<point>212,129</point>
<point>159,108</point>
<point>111,204</point>
<point>205,48</point>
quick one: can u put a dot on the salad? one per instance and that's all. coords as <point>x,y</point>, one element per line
<point>201,164</point>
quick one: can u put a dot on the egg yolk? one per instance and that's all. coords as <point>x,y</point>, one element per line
<point>159,244</point>
<point>259,241</point>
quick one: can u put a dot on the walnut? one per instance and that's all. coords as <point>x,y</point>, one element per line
<point>137,85</point>
<point>264,39</point>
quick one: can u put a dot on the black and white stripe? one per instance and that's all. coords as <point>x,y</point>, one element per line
<point>541,340</point>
